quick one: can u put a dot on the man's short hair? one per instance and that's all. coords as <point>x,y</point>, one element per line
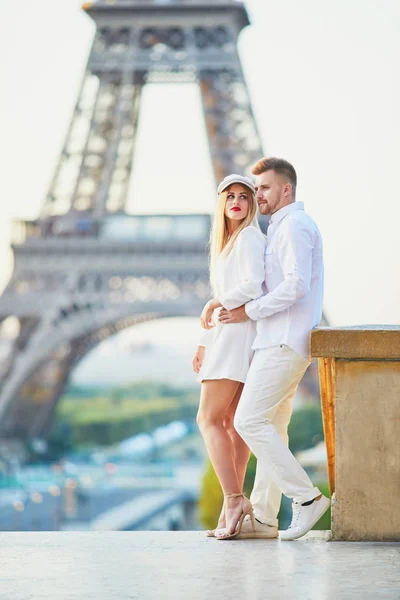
<point>280,166</point>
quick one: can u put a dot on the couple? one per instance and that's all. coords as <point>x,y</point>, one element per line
<point>267,298</point>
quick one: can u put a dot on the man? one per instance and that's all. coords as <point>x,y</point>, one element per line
<point>285,316</point>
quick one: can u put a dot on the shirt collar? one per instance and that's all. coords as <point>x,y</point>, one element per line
<point>282,212</point>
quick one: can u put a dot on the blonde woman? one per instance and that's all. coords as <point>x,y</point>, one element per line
<point>225,352</point>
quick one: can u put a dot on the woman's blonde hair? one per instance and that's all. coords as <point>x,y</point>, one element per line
<point>219,236</point>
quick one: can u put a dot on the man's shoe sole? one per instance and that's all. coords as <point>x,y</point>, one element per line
<point>299,535</point>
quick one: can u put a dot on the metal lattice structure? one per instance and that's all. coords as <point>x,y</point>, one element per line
<point>85,269</point>
<point>140,41</point>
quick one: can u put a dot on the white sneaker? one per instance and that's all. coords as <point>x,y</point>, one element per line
<point>304,518</point>
<point>262,531</point>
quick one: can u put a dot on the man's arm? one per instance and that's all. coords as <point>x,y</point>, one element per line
<point>294,252</point>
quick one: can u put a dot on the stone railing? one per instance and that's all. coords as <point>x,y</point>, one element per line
<point>359,369</point>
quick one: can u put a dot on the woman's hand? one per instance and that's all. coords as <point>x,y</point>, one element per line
<point>206,315</point>
<point>198,359</point>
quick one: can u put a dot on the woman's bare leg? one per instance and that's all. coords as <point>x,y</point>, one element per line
<point>240,449</point>
<point>215,399</point>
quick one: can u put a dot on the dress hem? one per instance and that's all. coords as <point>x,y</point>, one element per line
<point>218,378</point>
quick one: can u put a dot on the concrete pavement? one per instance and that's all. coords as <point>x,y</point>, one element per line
<point>187,565</point>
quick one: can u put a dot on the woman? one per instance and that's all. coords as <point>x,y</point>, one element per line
<point>224,354</point>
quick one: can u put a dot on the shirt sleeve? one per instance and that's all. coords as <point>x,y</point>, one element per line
<point>205,339</point>
<point>294,254</point>
<point>250,249</point>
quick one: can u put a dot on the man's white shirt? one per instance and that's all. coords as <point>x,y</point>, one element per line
<point>294,277</point>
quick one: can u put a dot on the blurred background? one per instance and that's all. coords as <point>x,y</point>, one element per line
<point>108,268</point>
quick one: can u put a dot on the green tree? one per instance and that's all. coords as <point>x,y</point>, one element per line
<point>211,498</point>
<point>305,428</point>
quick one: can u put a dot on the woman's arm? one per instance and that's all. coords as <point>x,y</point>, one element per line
<point>198,359</point>
<point>250,251</point>
<point>207,313</point>
<point>200,351</point>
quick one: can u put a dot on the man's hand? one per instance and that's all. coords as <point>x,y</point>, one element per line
<point>237,315</point>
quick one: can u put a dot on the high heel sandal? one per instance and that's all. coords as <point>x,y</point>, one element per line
<point>221,534</point>
<point>211,532</point>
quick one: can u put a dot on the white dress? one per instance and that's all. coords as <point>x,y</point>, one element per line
<point>240,278</point>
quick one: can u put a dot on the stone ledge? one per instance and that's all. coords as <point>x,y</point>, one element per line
<point>186,565</point>
<point>369,342</point>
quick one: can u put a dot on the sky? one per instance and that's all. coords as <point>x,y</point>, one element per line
<point>323,79</point>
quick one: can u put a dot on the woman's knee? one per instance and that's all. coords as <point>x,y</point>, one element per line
<point>208,418</point>
<point>200,418</point>
<point>228,424</point>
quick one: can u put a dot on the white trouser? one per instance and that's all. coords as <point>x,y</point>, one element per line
<point>262,419</point>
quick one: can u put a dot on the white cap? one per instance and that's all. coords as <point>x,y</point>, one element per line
<point>235,178</point>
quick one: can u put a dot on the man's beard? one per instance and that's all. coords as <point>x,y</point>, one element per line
<point>265,209</point>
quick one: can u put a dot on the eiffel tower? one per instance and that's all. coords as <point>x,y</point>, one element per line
<point>86,269</point>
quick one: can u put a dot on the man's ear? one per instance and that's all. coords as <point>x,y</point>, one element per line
<point>287,189</point>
